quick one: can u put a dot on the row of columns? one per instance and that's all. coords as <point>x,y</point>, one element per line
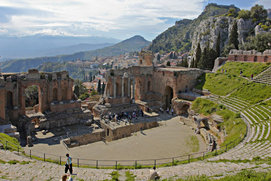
<point>123,87</point>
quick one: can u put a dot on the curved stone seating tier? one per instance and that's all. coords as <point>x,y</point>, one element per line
<point>268,131</point>
<point>250,117</point>
<point>258,113</point>
<point>264,113</point>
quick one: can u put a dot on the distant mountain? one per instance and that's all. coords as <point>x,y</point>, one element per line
<point>135,43</point>
<point>75,48</point>
<point>178,37</point>
<point>45,45</point>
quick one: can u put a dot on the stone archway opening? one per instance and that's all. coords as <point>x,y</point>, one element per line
<point>168,97</point>
<point>9,100</point>
<point>55,94</point>
<point>32,94</point>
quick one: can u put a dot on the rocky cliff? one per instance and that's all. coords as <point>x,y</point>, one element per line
<point>208,30</point>
<point>179,36</point>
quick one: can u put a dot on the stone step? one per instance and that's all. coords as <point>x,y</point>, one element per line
<point>252,134</point>
<point>250,122</point>
<point>250,117</point>
<point>240,104</point>
<point>259,114</point>
<point>252,114</point>
<point>264,112</point>
<point>268,132</point>
<point>257,133</point>
<point>263,130</point>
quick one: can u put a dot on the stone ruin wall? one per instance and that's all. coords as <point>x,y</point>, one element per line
<point>55,93</point>
<point>113,133</point>
<point>147,83</point>
<point>250,56</point>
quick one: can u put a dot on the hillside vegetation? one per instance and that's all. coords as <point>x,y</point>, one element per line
<point>178,37</point>
<point>231,82</point>
<point>12,143</point>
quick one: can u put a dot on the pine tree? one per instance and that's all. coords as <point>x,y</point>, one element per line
<point>99,88</point>
<point>234,36</point>
<point>202,64</point>
<point>103,87</point>
<point>198,56</point>
<point>217,48</point>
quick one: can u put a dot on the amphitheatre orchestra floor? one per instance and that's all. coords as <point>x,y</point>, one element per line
<point>168,140</point>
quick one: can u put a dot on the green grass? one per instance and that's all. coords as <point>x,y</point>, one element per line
<point>231,83</point>
<point>13,143</point>
<point>193,143</point>
<point>129,176</point>
<point>234,125</point>
<point>219,83</point>
<point>248,68</point>
<point>253,92</point>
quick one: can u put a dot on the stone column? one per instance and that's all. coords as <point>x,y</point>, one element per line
<point>114,88</point>
<point>122,87</point>
<point>133,96</point>
<point>129,87</point>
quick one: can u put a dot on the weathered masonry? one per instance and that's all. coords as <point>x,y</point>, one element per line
<point>54,89</point>
<point>146,85</point>
<point>250,56</point>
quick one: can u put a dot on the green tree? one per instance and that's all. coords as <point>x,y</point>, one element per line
<point>90,76</point>
<point>198,55</point>
<point>103,87</point>
<point>232,12</point>
<point>258,13</point>
<point>245,14</point>
<point>203,59</point>
<point>158,57</point>
<point>234,35</point>
<point>261,42</point>
<point>184,63</point>
<point>99,88</point>
<point>192,64</point>
<point>211,56</point>
<point>217,48</point>
<point>81,87</point>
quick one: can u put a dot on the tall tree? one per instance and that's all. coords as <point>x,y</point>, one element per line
<point>103,87</point>
<point>234,36</point>
<point>258,13</point>
<point>217,48</point>
<point>198,55</point>
<point>202,64</point>
<point>99,88</point>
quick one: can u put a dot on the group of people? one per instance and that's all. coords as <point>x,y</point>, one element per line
<point>154,175</point>
<point>124,115</point>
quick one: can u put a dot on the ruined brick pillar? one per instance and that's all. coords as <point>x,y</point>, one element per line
<point>114,88</point>
<point>122,87</point>
<point>129,87</point>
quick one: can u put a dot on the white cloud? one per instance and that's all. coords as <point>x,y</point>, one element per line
<point>86,17</point>
<point>265,3</point>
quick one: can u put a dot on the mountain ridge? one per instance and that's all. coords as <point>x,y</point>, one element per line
<point>135,43</point>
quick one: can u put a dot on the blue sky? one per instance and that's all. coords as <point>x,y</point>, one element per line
<point>119,19</point>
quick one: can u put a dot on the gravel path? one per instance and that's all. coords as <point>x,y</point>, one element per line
<point>38,170</point>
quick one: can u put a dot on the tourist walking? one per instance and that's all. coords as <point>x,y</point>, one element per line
<point>68,165</point>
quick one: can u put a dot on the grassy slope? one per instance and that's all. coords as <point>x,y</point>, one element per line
<point>248,68</point>
<point>13,143</point>
<point>230,82</point>
<point>234,125</point>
